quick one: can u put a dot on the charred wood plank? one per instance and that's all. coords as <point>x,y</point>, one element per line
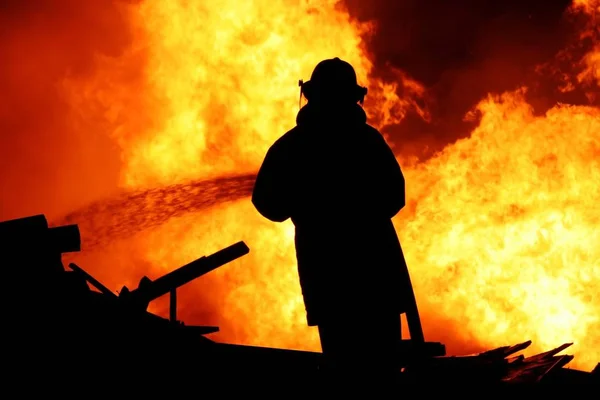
<point>548,354</point>
<point>151,290</point>
<point>559,362</point>
<point>535,368</point>
<point>91,280</point>
<point>173,305</point>
<point>506,351</point>
<point>534,371</point>
<point>489,366</point>
<point>200,330</point>
<point>516,359</point>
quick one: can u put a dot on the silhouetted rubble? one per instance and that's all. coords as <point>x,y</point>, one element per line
<point>55,318</point>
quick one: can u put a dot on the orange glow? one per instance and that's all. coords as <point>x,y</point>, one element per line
<point>500,230</point>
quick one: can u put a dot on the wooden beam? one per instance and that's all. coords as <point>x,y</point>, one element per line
<point>173,305</point>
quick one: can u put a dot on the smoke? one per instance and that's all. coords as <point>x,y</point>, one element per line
<point>462,50</point>
<point>47,165</point>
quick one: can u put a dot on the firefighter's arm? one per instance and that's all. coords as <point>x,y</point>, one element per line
<point>389,180</point>
<point>271,195</point>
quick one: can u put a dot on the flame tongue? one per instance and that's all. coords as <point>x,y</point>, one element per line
<point>504,225</point>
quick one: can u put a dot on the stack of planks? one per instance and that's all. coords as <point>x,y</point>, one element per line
<point>501,365</point>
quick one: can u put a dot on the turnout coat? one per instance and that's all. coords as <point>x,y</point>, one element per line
<point>340,183</point>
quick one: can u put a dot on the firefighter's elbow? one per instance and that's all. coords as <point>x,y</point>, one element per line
<point>397,204</point>
<point>273,216</point>
<point>401,202</point>
<point>277,217</point>
<point>269,212</point>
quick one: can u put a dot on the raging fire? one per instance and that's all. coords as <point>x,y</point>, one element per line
<point>501,236</point>
<point>499,231</point>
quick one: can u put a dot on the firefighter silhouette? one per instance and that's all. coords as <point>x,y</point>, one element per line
<point>339,182</point>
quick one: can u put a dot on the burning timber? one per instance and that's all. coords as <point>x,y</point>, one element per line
<point>56,315</point>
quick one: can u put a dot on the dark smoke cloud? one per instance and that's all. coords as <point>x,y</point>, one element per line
<point>45,164</point>
<point>461,50</point>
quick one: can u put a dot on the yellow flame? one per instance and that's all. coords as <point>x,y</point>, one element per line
<point>220,81</point>
<point>502,230</point>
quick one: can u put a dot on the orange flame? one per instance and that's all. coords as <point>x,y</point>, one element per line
<point>502,230</point>
<point>499,231</point>
<point>219,83</point>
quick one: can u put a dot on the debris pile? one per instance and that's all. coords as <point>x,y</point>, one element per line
<point>67,317</point>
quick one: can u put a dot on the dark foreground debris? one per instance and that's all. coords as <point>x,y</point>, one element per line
<point>57,326</point>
